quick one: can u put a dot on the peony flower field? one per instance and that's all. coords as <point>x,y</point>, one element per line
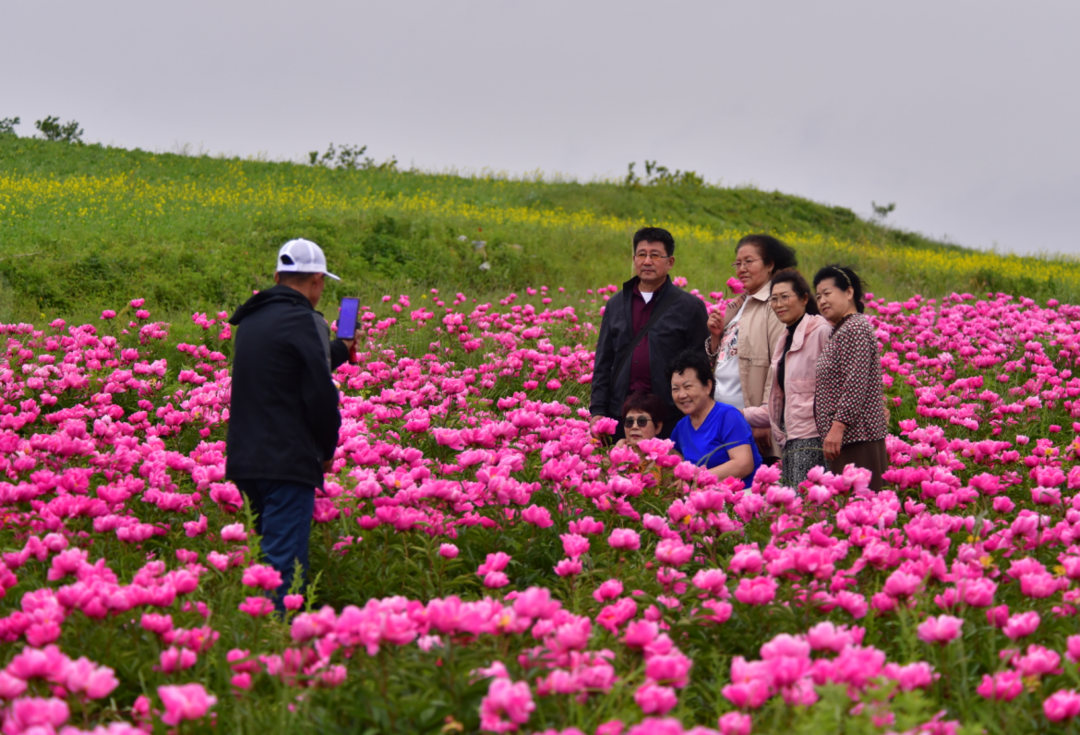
<point>482,562</point>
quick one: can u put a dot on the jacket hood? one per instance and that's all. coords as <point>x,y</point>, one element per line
<point>275,295</point>
<point>810,323</point>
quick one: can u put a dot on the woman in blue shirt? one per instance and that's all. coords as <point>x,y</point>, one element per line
<point>711,434</point>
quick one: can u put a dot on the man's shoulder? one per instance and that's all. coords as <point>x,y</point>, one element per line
<point>277,321</point>
<point>613,307</point>
<point>684,298</point>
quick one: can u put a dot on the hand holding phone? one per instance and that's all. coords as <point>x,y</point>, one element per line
<point>346,323</point>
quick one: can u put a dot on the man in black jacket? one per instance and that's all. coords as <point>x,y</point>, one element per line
<point>681,323</point>
<point>284,417</point>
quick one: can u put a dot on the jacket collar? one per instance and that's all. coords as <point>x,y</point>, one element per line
<point>762,294</point>
<point>632,285</point>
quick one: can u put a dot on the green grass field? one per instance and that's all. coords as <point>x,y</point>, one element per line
<point>84,228</point>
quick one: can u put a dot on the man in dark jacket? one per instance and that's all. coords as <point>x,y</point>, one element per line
<point>682,324</point>
<point>284,417</point>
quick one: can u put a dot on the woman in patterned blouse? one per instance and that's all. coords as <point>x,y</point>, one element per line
<point>848,398</point>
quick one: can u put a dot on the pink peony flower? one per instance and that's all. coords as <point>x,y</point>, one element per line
<point>1021,624</point>
<point>494,563</point>
<point>495,580</point>
<point>260,575</point>
<point>1062,705</point>
<point>574,545</point>
<point>672,669</point>
<point>654,699</point>
<point>756,590</point>
<point>674,552</point>
<point>609,590</point>
<point>568,567</point>
<point>940,629</point>
<point>184,702</point>
<point>735,723</point>
<point>177,659</point>
<point>902,584</point>
<point>640,633</point>
<point>32,714</point>
<point>537,516</point>
<point>624,538</point>
<point>256,607</point>
<point>506,699</point>
<point>711,581</point>
<point>92,680</point>
<point>11,686</point>
<point>234,532</point>
<point>1004,686</point>
<point>448,551</point>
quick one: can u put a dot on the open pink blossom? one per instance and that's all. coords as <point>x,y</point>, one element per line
<point>940,629</point>
<point>260,575</point>
<point>184,702</point>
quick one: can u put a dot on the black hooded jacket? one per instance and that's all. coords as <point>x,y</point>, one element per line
<point>284,417</point>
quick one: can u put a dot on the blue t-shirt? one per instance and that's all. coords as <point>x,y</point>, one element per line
<point>721,430</point>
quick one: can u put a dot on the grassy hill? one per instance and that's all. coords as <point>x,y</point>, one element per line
<point>84,228</point>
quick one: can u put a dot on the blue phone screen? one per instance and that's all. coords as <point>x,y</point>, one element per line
<point>346,323</point>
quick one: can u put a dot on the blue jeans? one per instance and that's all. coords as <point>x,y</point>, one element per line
<point>283,513</point>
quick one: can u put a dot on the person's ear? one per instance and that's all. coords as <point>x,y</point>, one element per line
<point>660,425</point>
<point>277,278</point>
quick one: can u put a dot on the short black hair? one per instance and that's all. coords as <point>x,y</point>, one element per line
<point>779,255</point>
<point>655,234</point>
<point>646,403</point>
<point>692,359</point>
<point>844,278</point>
<point>287,277</point>
<point>798,285</point>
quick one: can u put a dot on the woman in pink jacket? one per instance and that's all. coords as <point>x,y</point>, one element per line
<point>790,408</point>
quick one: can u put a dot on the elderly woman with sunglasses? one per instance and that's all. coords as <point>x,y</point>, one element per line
<point>790,410</point>
<point>744,336</point>
<point>643,418</point>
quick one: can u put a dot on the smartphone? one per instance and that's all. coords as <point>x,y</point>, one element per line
<point>346,322</point>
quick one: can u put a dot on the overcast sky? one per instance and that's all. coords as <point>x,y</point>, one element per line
<point>966,114</point>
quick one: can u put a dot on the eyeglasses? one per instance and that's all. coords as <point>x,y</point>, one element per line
<point>642,421</point>
<point>651,256</point>
<point>744,263</point>
<point>781,298</point>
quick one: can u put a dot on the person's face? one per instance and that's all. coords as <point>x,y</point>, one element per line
<point>651,262</point>
<point>635,432</point>
<point>833,303</point>
<point>751,269</point>
<point>689,393</point>
<point>788,307</point>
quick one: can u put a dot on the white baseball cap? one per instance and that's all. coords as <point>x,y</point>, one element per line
<point>302,256</point>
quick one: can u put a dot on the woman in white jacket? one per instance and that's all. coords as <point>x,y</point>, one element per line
<point>790,407</point>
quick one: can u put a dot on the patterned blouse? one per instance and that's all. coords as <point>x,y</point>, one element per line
<point>849,387</point>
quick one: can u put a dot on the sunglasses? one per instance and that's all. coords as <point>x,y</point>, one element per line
<point>642,421</point>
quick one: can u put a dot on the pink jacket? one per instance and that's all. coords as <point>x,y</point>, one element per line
<point>797,398</point>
